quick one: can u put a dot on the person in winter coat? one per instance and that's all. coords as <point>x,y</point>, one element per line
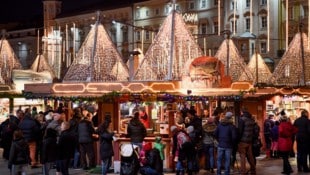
<point>66,147</point>
<point>136,131</point>
<point>268,125</point>
<point>160,147</point>
<point>179,153</point>
<point>150,161</point>
<point>246,127</point>
<point>19,154</point>
<point>208,144</point>
<point>86,142</point>
<point>31,130</point>
<point>226,135</point>
<point>7,129</point>
<point>303,141</point>
<point>49,150</point>
<point>275,138</point>
<point>286,130</point>
<point>106,146</point>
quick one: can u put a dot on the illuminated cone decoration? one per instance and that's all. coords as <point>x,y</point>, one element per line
<point>293,66</point>
<point>8,62</point>
<point>237,66</point>
<point>40,64</point>
<point>171,51</point>
<point>257,62</point>
<point>101,64</point>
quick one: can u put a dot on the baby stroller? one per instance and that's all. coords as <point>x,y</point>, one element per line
<point>129,159</point>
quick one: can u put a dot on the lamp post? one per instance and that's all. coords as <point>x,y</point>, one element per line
<point>227,34</point>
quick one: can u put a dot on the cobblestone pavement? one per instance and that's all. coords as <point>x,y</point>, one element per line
<point>264,167</point>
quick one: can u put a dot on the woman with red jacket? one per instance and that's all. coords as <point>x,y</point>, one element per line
<point>286,131</point>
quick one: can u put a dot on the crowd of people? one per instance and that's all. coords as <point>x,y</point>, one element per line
<point>46,139</point>
<point>50,139</point>
<point>218,140</point>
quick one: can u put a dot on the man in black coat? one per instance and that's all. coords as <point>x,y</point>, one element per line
<point>66,147</point>
<point>303,141</point>
<point>86,143</point>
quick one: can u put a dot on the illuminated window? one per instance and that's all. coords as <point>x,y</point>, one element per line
<point>203,3</point>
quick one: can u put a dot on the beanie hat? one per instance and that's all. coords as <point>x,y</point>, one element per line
<point>173,127</point>
<point>228,115</point>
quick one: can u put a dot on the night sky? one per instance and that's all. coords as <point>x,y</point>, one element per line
<point>28,10</point>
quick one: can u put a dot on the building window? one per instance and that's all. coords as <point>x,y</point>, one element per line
<point>233,5</point>
<point>216,27</point>
<point>191,6</point>
<point>177,7</point>
<point>203,3</point>
<point>138,14</point>
<point>247,3</point>
<point>147,13</point>
<point>203,28</point>
<point>216,2</point>
<point>138,35</point>
<point>247,24</point>
<point>264,22</point>
<point>263,47</point>
<point>263,2</point>
<point>234,29</point>
<point>166,9</point>
<point>147,35</point>
<point>125,34</point>
<point>157,11</point>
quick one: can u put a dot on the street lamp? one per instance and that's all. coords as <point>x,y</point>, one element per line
<point>227,34</point>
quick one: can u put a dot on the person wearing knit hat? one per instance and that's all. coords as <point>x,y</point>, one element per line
<point>268,125</point>
<point>226,135</point>
<point>228,115</point>
<point>285,144</point>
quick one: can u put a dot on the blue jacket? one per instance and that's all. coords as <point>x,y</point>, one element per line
<point>225,134</point>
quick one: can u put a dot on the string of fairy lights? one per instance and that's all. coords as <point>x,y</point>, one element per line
<point>157,60</point>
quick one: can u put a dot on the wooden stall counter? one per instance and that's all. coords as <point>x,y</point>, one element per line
<point>165,140</point>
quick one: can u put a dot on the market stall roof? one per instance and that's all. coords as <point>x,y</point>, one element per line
<point>294,67</point>
<point>8,62</point>
<point>237,65</point>
<point>259,70</point>
<point>168,57</point>
<point>101,63</point>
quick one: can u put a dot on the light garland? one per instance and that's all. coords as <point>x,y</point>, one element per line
<point>289,70</point>
<point>155,64</point>
<point>108,66</point>
<point>8,62</point>
<point>263,70</point>
<point>237,65</point>
<point>40,64</point>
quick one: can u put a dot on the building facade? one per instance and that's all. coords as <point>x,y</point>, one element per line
<point>254,25</point>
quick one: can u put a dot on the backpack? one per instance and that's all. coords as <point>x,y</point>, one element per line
<point>182,138</point>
